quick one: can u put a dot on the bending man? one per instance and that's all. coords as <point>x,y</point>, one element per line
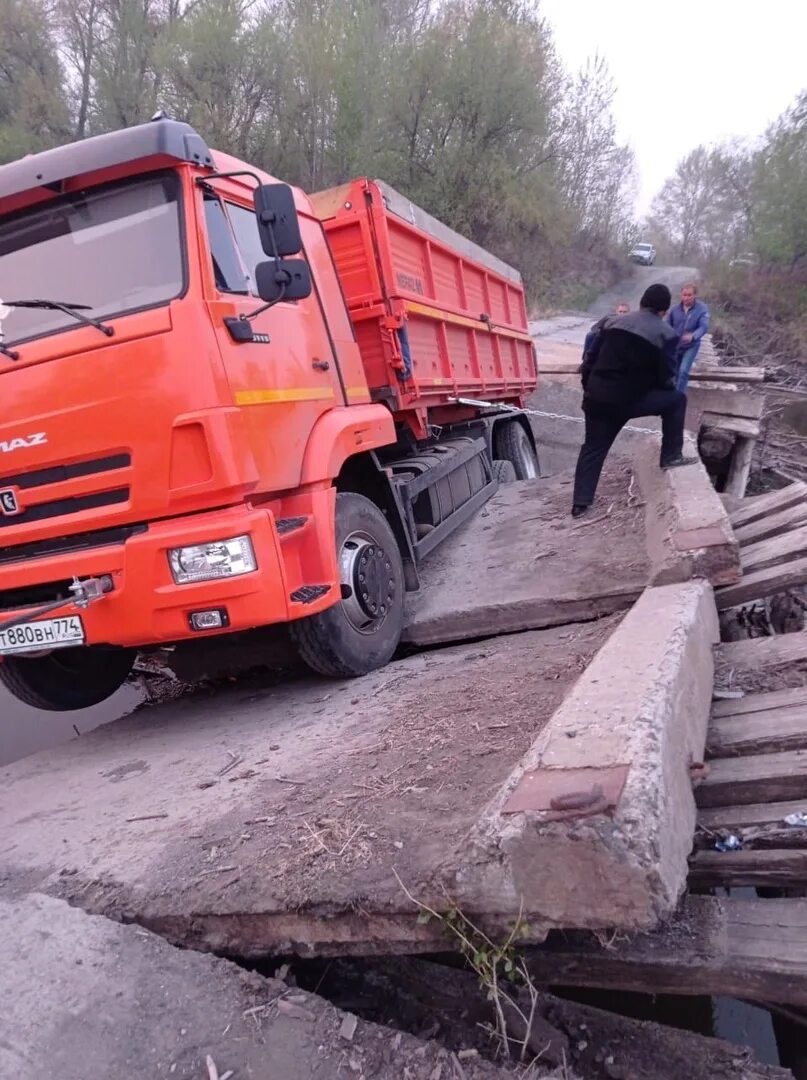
<point>627,372</point>
<point>690,321</point>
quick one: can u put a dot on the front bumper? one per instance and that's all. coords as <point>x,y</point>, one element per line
<point>296,574</point>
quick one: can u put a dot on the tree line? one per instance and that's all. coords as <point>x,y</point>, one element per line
<point>462,105</point>
<point>740,200</point>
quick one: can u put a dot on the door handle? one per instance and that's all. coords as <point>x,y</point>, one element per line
<point>320,365</point>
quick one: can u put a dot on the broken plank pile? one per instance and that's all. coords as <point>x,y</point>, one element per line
<point>772,532</point>
<point>752,803</point>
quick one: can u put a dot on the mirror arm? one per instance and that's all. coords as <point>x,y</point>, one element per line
<point>247,316</point>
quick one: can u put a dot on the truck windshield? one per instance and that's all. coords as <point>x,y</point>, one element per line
<point>119,246</point>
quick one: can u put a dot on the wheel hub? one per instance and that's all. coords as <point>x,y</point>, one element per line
<point>368,584</point>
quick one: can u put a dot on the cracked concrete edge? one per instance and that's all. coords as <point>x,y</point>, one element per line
<point>687,527</point>
<point>644,700</point>
<point>87,996</point>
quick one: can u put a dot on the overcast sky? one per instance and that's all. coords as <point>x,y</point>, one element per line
<point>686,74</point>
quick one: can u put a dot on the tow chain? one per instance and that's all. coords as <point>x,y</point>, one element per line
<point>503,407</point>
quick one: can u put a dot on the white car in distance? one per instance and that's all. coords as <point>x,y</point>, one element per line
<point>643,253</point>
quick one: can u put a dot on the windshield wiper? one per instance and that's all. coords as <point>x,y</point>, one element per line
<point>12,354</point>
<point>69,309</point>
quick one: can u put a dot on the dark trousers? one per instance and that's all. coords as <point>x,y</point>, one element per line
<point>604,423</point>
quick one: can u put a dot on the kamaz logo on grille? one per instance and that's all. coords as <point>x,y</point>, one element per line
<point>39,438</point>
<point>9,504</point>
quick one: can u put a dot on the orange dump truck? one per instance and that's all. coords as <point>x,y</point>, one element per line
<point>227,404</point>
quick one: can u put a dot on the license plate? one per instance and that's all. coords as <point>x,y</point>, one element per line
<point>42,634</point>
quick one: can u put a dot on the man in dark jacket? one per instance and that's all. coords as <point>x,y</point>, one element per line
<point>629,371</point>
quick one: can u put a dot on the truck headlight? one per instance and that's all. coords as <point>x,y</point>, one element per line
<point>216,559</point>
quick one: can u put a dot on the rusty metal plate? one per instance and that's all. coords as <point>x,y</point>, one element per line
<point>563,793</point>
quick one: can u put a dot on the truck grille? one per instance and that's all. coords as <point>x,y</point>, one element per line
<point>61,545</point>
<point>73,505</point>
<point>55,474</point>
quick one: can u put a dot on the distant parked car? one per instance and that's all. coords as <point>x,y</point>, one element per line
<point>644,254</point>
<point>746,259</point>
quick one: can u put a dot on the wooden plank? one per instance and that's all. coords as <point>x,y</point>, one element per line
<point>737,424</point>
<point>737,817</point>
<point>729,374</point>
<point>763,653</point>
<point>751,949</point>
<point>772,524</point>
<point>751,703</point>
<point>769,503</point>
<point>767,732</point>
<point>763,702</point>
<point>754,779</point>
<point>762,583</point>
<point>757,869</point>
<point>778,549</point>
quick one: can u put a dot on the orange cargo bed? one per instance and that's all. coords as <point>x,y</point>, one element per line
<point>435,315</point>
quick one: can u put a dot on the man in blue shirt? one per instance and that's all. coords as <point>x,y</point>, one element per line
<point>690,321</point>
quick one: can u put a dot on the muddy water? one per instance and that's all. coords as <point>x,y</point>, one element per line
<point>24,730</point>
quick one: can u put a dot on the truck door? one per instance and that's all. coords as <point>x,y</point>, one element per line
<point>287,378</point>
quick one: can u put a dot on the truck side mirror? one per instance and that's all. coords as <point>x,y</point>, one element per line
<point>283,279</point>
<point>278,224</point>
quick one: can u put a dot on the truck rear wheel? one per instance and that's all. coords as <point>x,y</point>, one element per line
<point>504,471</point>
<point>362,631</point>
<point>67,679</point>
<point>512,443</point>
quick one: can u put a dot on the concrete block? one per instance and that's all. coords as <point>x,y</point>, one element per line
<point>644,703</point>
<point>524,563</point>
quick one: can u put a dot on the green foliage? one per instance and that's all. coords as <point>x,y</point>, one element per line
<point>32,112</point>
<point>726,201</point>
<point>460,104</point>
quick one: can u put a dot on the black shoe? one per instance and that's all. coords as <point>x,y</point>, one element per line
<point>676,462</point>
<point>578,510</point>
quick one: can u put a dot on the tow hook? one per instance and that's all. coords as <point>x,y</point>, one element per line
<point>93,588</point>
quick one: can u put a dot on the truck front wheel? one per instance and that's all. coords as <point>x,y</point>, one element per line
<point>362,631</point>
<point>67,679</point>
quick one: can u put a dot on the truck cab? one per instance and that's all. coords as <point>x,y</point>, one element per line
<point>182,391</point>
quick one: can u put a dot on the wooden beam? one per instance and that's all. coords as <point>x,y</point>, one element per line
<point>762,583</point>
<point>728,374</point>
<point>753,949</point>
<point>751,703</point>
<point>758,869</point>
<point>758,778</point>
<point>766,732</point>
<point>760,505</point>
<point>772,524</point>
<point>739,425</point>
<point>740,467</point>
<point>738,817</point>
<point>761,653</point>
<point>777,550</point>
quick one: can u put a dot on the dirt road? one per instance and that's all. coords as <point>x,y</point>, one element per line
<point>572,327</point>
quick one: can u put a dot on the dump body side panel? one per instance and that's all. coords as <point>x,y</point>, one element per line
<point>435,315</point>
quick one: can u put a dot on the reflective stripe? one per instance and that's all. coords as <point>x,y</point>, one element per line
<point>266,397</point>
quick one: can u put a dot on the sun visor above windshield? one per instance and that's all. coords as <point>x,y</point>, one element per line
<point>165,141</point>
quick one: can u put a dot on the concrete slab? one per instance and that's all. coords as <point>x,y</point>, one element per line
<point>523,563</point>
<point>286,820</point>
<point>640,708</point>
<point>306,818</point>
<point>86,997</point>
<point>687,528</point>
